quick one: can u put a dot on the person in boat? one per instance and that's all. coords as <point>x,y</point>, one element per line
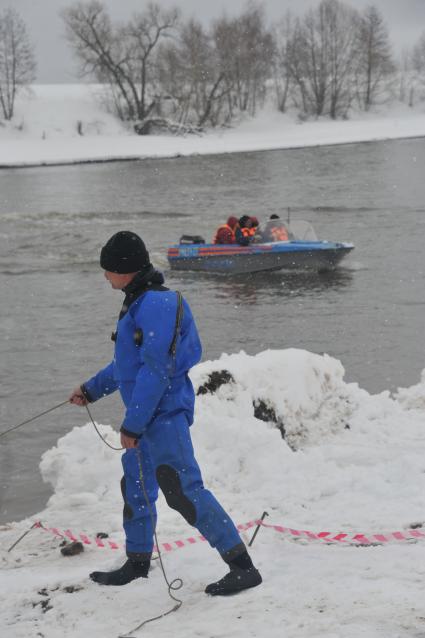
<point>225,234</point>
<point>257,234</point>
<point>155,345</point>
<point>275,230</point>
<point>255,225</point>
<point>245,230</point>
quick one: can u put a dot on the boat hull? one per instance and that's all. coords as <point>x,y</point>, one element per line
<point>234,259</point>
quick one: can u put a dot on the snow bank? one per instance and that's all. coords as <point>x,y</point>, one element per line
<point>341,441</point>
<point>305,391</point>
<point>348,461</point>
<point>56,112</point>
<point>47,126</point>
<point>413,398</point>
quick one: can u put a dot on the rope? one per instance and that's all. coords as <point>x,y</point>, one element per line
<point>175,584</point>
<point>100,435</point>
<point>33,418</point>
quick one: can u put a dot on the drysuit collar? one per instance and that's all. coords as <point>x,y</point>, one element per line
<point>146,279</point>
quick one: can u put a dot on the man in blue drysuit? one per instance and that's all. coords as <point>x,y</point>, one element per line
<point>156,344</point>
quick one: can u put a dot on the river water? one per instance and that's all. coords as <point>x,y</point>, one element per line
<point>57,311</point>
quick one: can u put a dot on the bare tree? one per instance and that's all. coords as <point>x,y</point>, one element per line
<point>222,71</point>
<point>225,44</point>
<point>418,70</point>
<point>193,75</point>
<point>342,38</point>
<point>320,58</point>
<point>283,78</point>
<point>297,68</point>
<point>17,61</point>
<point>251,57</point>
<point>374,57</point>
<point>121,55</point>
<point>418,55</point>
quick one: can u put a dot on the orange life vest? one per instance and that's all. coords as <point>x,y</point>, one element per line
<point>279,233</point>
<point>248,232</point>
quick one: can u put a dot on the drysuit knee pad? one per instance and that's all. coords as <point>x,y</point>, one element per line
<point>128,510</point>
<point>169,481</point>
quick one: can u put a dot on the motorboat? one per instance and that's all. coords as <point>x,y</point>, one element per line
<point>303,251</point>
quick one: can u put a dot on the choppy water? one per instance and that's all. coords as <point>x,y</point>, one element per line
<point>57,312</point>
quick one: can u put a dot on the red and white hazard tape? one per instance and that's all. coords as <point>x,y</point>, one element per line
<point>293,534</point>
<point>348,539</point>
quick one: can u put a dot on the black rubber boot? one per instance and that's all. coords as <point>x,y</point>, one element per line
<point>125,574</point>
<point>235,581</point>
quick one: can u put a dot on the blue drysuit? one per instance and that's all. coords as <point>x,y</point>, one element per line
<point>159,400</point>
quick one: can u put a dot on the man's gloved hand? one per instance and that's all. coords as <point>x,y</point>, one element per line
<point>77,397</point>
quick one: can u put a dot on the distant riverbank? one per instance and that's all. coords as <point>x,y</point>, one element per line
<point>48,125</point>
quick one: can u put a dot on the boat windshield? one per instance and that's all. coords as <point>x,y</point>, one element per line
<point>302,230</point>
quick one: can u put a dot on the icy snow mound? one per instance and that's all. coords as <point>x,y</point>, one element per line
<point>85,476</point>
<point>413,398</point>
<point>280,431</point>
<point>303,394</point>
<point>271,403</point>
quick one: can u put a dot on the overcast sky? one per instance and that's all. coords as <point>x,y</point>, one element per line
<point>405,20</point>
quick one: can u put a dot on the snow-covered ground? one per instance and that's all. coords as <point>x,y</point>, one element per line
<point>350,462</point>
<point>46,123</point>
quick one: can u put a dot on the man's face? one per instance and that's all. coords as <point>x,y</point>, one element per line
<point>117,280</point>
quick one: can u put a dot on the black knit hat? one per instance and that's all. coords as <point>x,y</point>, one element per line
<point>123,253</point>
<point>243,220</point>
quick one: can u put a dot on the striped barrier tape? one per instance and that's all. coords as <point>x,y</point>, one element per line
<point>294,534</point>
<point>349,539</point>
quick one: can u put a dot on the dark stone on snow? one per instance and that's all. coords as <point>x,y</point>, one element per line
<point>71,589</point>
<point>44,604</point>
<point>266,412</point>
<point>72,549</point>
<point>215,380</point>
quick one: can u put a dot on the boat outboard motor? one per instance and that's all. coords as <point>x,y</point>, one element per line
<point>191,239</point>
